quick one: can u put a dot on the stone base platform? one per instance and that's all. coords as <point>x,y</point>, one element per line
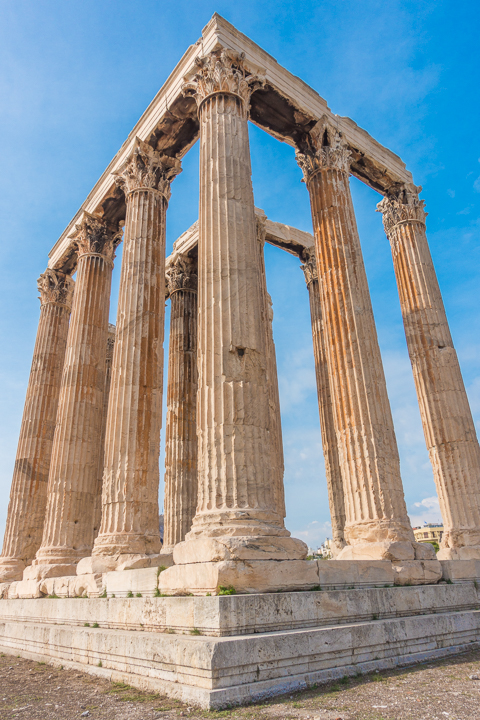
<point>216,651</point>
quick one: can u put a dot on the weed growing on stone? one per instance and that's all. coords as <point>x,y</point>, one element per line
<point>226,590</point>
<point>130,593</point>
<point>95,624</point>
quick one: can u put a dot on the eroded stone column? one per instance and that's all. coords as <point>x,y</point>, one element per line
<point>377,524</point>
<point>181,430</point>
<point>101,461</point>
<point>73,478</point>
<point>129,533</point>
<point>325,407</point>
<point>237,518</point>
<point>275,421</point>
<point>28,496</point>
<point>446,416</point>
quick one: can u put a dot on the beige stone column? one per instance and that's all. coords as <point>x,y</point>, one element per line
<point>129,533</point>
<point>446,417</point>
<point>237,518</point>
<point>73,477</point>
<point>377,524</point>
<point>28,496</point>
<point>101,461</point>
<point>325,407</point>
<point>181,430</point>
<point>275,421</point>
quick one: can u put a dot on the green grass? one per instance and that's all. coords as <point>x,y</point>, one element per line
<point>130,593</point>
<point>226,590</point>
<point>138,595</point>
<point>195,631</point>
<point>86,624</point>
<point>95,624</point>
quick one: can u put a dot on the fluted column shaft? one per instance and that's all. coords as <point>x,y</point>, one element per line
<point>73,479</point>
<point>181,430</point>
<point>28,496</point>
<point>236,492</point>
<point>325,407</point>
<point>275,421</point>
<point>446,416</point>
<point>101,460</point>
<point>130,517</point>
<point>374,502</point>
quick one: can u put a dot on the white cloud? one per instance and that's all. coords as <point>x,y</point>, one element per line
<point>476,185</point>
<point>451,193</point>
<point>426,510</point>
<point>314,533</point>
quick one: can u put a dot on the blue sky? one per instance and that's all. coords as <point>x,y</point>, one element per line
<point>76,76</point>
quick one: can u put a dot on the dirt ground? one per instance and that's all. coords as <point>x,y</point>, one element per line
<point>447,689</point>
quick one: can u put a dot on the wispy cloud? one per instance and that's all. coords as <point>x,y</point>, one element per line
<point>426,510</point>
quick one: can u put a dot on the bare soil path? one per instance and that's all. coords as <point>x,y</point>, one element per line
<point>443,690</point>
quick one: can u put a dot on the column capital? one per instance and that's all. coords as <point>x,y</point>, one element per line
<point>93,236</point>
<point>402,206</point>
<point>326,150</point>
<point>55,287</point>
<point>309,265</point>
<point>222,71</point>
<point>145,169</point>
<point>182,274</point>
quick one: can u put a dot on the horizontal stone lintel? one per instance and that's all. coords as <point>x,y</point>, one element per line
<point>169,126</point>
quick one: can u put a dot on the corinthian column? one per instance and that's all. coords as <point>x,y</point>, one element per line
<point>73,478</point>
<point>325,407</point>
<point>28,495</point>
<point>181,431</point>
<point>275,421</point>
<point>237,516</point>
<point>377,524</point>
<point>101,459</point>
<point>129,533</point>
<point>446,417</point>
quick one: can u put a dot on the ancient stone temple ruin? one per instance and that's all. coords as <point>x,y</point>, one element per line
<point>83,518</point>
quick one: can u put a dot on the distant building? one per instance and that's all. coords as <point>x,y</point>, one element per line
<point>325,550</point>
<point>430,532</point>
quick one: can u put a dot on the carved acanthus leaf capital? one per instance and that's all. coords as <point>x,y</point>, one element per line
<point>222,72</point>
<point>309,265</point>
<point>182,274</point>
<point>327,151</point>
<point>402,206</point>
<point>56,287</point>
<point>93,236</point>
<point>146,169</point>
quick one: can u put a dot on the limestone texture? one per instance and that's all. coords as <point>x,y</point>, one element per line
<point>129,531</point>
<point>72,484</point>
<point>28,495</point>
<point>325,406</point>
<point>373,494</point>
<point>446,416</point>
<point>237,514</point>
<point>181,431</point>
